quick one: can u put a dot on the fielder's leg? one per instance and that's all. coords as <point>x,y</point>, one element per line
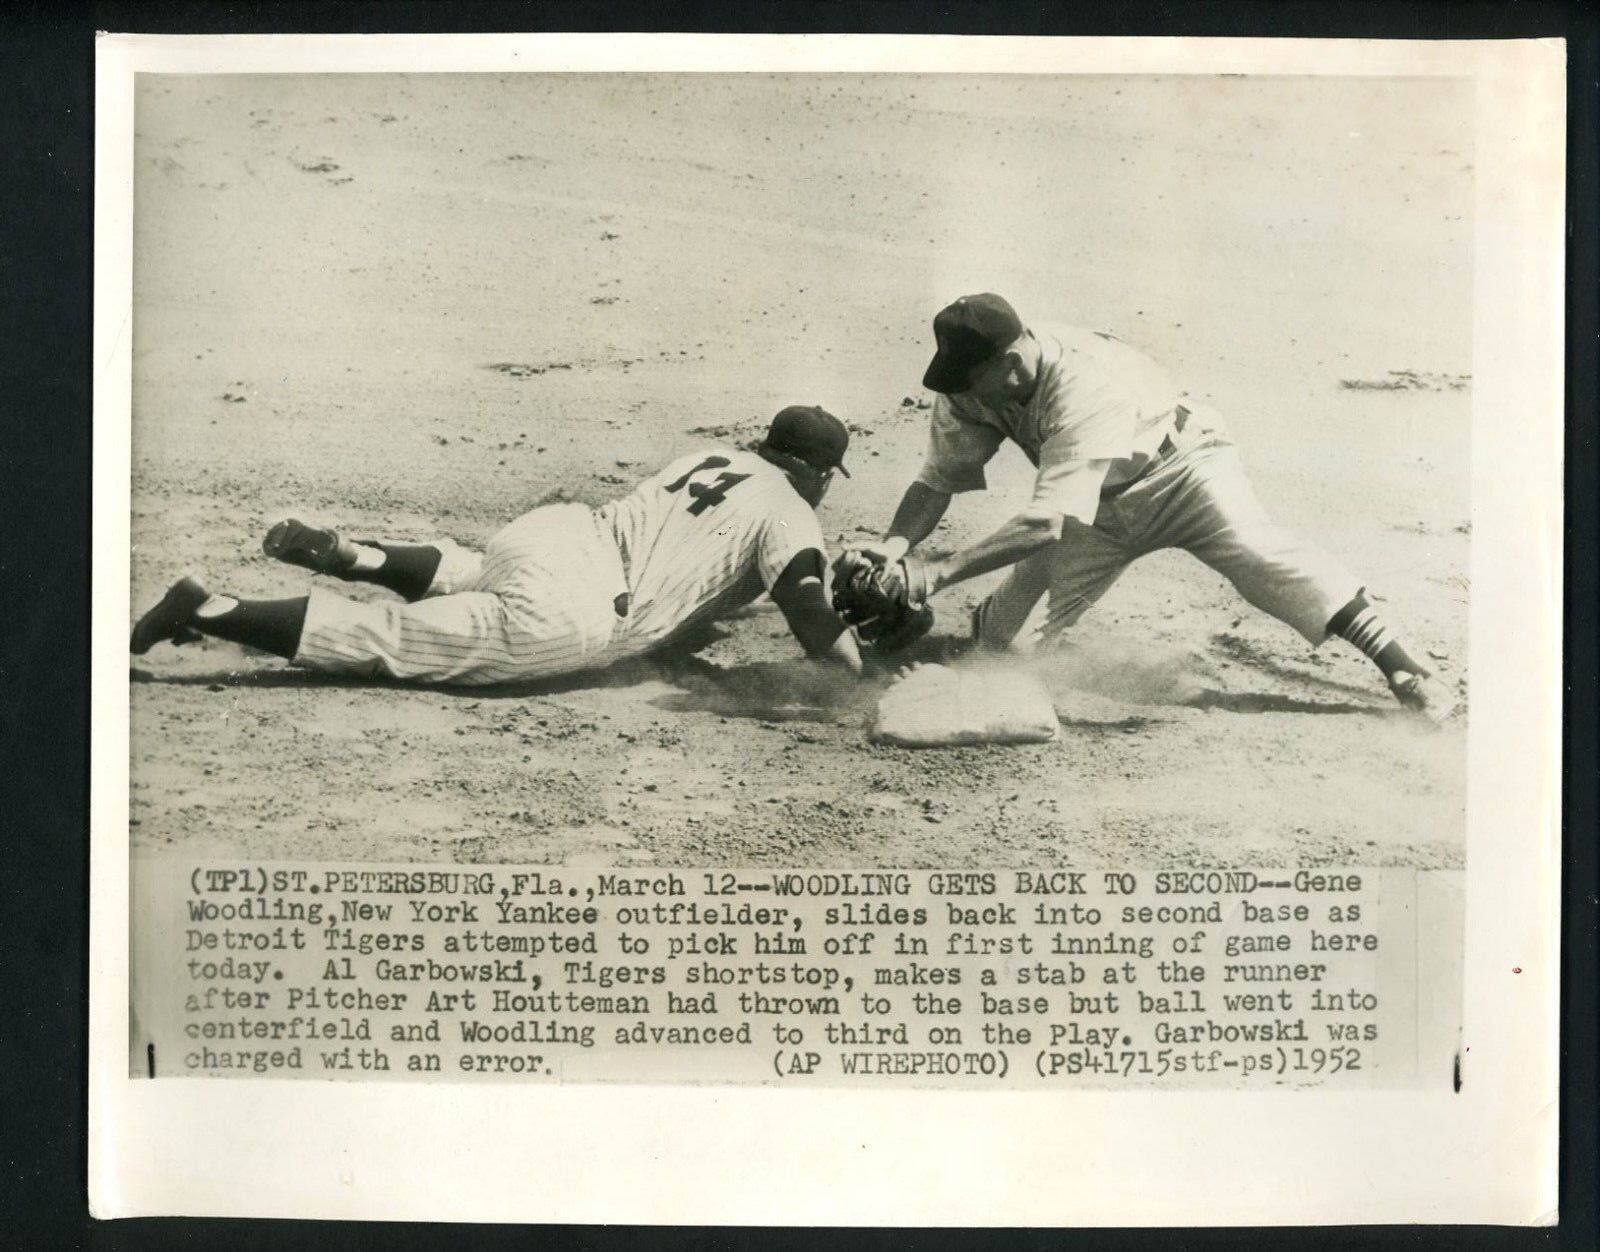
<point>1412,682</point>
<point>1218,517</point>
<point>1069,576</point>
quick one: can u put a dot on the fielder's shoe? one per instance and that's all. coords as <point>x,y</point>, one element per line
<point>1426,696</point>
<point>169,620</point>
<point>310,547</point>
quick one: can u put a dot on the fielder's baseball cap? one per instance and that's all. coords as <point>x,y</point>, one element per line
<point>812,434</point>
<point>971,332</point>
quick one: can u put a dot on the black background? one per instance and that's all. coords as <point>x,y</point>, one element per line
<point>46,237</point>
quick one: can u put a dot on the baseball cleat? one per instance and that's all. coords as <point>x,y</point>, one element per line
<point>1424,695</point>
<point>169,620</point>
<point>310,547</point>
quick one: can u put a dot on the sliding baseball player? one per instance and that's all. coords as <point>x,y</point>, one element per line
<point>563,588</point>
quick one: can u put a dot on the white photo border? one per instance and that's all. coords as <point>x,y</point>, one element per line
<point>714,1155</point>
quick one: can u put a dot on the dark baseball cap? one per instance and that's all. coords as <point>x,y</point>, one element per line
<point>971,332</point>
<point>812,434</point>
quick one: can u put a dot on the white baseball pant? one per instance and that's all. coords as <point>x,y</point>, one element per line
<point>539,601</point>
<point>1198,499</point>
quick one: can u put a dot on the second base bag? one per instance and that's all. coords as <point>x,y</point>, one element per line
<point>937,707</point>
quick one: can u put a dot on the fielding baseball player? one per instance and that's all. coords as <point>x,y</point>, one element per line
<point>1124,469</point>
<point>562,588</point>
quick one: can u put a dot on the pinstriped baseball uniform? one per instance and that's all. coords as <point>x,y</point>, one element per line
<point>566,587</point>
<point>1132,471</point>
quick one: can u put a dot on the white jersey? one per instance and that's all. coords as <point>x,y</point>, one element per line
<point>1097,400</point>
<point>705,536</point>
<point>564,588</point>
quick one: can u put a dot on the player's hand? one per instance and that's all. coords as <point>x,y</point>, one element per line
<point>908,580</point>
<point>886,604</point>
<point>881,551</point>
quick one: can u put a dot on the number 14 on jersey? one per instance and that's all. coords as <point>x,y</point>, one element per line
<point>707,495</point>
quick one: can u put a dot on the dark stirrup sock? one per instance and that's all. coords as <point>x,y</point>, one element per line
<point>271,625</point>
<point>407,569</point>
<point>1361,624</point>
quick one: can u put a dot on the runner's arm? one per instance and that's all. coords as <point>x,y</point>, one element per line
<point>801,596</point>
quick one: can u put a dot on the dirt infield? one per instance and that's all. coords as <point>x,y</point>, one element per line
<point>422,305</point>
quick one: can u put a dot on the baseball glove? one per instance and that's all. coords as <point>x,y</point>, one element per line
<point>886,602</point>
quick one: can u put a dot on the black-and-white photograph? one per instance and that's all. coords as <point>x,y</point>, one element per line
<point>832,469</point>
<point>825,580</point>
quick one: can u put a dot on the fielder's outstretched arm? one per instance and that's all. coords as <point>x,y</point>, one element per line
<point>1063,489</point>
<point>919,513</point>
<point>801,596</point>
<point>1021,537</point>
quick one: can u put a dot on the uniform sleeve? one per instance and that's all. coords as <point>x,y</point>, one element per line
<point>1068,484</point>
<point>788,530</point>
<point>957,451</point>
